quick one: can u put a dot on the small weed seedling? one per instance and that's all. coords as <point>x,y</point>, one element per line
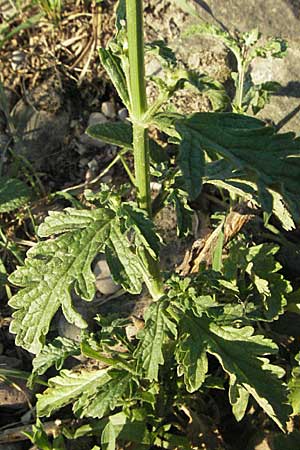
<point>144,383</point>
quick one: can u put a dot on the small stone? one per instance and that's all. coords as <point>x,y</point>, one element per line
<point>104,282</point>
<point>108,109</point>
<point>94,119</point>
<point>89,175</point>
<point>80,148</point>
<point>18,59</point>
<point>155,187</point>
<point>107,179</point>
<point>83,162</point>
<point>123,114</point>
<point>93,165</point>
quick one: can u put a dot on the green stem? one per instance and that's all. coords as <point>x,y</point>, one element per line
<point>135,35</point>
<point>138,100</point>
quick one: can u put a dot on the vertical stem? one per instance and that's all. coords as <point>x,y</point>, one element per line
<point>135,35</point>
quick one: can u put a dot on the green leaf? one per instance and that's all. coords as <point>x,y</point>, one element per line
<point>144,233</point>
<point>242,356</point>
<point>117,133</point>
<point>13,194</point>
<point>158,327</point>
<point>113,67</point>
<point>281,212</point>
<point>191,356</point>
<point>123,262</point>
<point>268,290</point>
<point>106,398</point>
<point>273,288</point>
<point>120,133</point>
<point>184,213</point>
<point>39,437</point>
<point>251,37</point>
<point>74,387</point>
<point>54,353</point>
<point>274,47</point>
<point>290,441</point>
<point>52,268</point>
<point>209,29</point>
<point>191,161</point>
<point>294,387</point>
<point>261,156</point>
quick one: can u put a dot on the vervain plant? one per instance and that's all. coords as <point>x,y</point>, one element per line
<point>142,381</point>
<point>245,47</point>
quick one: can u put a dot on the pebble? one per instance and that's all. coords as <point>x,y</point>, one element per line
<point>94,119</point>
<point>104,282</point>
<point>68,330</point>
<point>80,148</point>
<point>108,109</point>
<point>123,113</point>
<point>153,67</point>
<point>107,179</point>
<point>93,165</point>
<point>83,162</point>
<point>89,175</point>
<point>18,59</point>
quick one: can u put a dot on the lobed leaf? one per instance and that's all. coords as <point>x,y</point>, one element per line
<point>120,133</point>
<point>123,262</point>
<point>53,268</point>
<point>54,353</point>
<point>268,289</point>
<point>113,67</point>
<point>271,161</point>
<point>106,398</point>
<point>144,233</point>
<point>242,356</point>
<point>158,326</point>
<point>71,387</point>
